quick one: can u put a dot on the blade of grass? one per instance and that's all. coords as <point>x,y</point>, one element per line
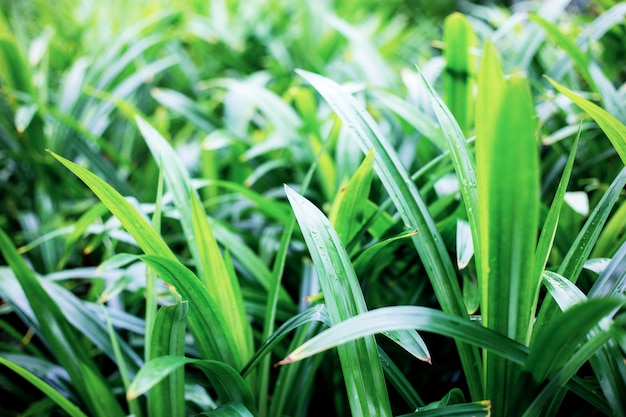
<point>230,386</point>
<point>315,313</point>
<point>201,241</point>
<point>133,406</point>
<point>147,238</point>
<point>556,343</point>
<point>167,398</point>
<point>569,369</point>
<point>184,106</point>
<point>229,410</point>
<point>399,381</point>
<point>348,205</point>
<point>612,235</point>
<point>361,367</point>
<point>151,277</point>
<point>477,409</point>
<point>206,321</point>
<point>507,175</point>
<point>458,75</point>
<point>462,160</point>
<point>409,317</point>
<point>612,127</point>
<point>548,231</point>
<point>223,286</point>
<point>612,280</point>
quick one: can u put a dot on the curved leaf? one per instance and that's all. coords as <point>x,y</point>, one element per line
<point>361,367</point>
<point>407,317</point>
<point>610,125</point>
<point>230,386</point>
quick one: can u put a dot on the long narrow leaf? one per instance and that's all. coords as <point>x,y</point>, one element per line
<point>230,386</point>
<point>462,159</point>
<point>458,77</point>
<point>611,126</point>
<point>548,231</point>
<point>408,317</point>
<point>167,398</point>
<point>315,313</point>
<point>145,236</point>
<point>361,367</point>
<point>206,321</point>
<point>223,286</point>
<point>507,174</point>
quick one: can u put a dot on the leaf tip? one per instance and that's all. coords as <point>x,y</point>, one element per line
<point>285,361</point>
<point>131,394</point>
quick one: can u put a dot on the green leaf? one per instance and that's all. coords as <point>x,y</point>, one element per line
<point>612,127</point>
<point>557,341</point>
<point>560,349</point>
<point>213,338</point>
<point>562,376</point>
<point>422,122</point>
<point>410,206</point>
<point>581,61</point>
<point>411,342</point>
<point>141,230</point>
<point>612,279</point>
<point>409,317</point>
<point>184,106</point>
<point>399,381</point>
<point>228,410</point>
<point>153,372</point>
<point>508,190</point>
<point>476,409</point>
<point>225,290</point>
<point>316,313</point>
<point>507,174</point>
<point>347,210</point>
<point>548,231</point>
<point>463,162</point>
<point>565,292</point>
<point>229,385</point>
<point>117,261</point>
<point>361,367</point>
<point>71,409</point>
<point>177,181</point>
<point>220,284</point>
<point>453,404</point>
<point>368,258</point>
<point>612,235</point>
<point>458,75</point>
<point>167,398</point>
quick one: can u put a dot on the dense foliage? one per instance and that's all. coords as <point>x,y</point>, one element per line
<point>195,192</point>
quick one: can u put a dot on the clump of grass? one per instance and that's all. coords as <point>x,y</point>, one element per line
<point>265,184</point>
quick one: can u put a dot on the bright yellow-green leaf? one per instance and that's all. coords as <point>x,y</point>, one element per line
<point>458,75</point>
<point>613,128</point>
<point>507,171</point>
